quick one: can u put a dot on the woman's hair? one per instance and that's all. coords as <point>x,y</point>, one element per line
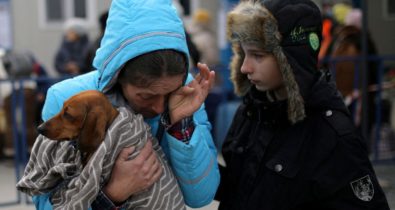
<point>142,70</point>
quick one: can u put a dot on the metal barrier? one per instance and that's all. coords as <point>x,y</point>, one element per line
<point>377,88</point>
<point>17,145</point>
<point>18,127</point>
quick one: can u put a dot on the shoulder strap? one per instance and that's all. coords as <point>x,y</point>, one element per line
<point>339,121</point>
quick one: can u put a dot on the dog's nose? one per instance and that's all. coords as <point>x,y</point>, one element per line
<point>41,129</point>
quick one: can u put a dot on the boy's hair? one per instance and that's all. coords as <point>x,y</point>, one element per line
<point>291,31</point>
<point>142,70</point>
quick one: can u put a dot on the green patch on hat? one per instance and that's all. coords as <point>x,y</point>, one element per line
<point>314,41</point>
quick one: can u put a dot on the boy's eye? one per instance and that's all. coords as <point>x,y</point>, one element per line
<point>258,56</point>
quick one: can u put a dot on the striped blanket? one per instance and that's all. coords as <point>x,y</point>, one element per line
<point>55,167</point>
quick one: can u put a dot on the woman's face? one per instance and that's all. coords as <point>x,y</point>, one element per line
<point>151,101</point>
<point>261,68</point>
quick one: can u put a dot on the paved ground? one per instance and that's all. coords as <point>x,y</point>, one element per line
<point>386,174</point>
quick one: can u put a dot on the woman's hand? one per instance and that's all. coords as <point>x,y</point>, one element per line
<point>187,100</point>
<point>131,176</point>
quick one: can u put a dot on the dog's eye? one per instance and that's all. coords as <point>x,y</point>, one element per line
<point>68,116</point>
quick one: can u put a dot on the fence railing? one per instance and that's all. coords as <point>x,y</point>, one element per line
<point>376,67</point>
<point>13,91</point>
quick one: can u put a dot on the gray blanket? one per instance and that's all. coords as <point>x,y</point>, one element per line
<point>55,167</point>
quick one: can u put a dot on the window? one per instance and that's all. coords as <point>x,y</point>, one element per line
<point>5,23</point>
<point>53,13</point>
<point>80,9</point>
<point>389,9</point>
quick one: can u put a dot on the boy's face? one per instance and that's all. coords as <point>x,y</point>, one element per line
<point>261,68</point>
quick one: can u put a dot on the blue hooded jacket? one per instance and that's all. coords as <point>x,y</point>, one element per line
<point>135,27</point>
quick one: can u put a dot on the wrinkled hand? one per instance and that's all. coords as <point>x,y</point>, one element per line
<point>186,100</point>
<point>129,177</point>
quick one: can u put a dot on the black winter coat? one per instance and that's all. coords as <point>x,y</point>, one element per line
<point>318,163</point>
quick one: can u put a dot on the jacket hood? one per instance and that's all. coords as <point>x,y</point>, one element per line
<point>291,31</point>
<point>136,27</point>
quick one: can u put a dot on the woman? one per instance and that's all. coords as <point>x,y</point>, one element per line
<point>142,64</point>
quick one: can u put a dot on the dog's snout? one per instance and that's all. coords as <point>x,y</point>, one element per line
<point>41,129</point>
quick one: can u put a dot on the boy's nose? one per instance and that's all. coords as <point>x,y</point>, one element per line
<point>246,68</point>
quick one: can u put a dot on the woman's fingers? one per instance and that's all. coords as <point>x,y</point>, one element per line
<point>204,70</point>
<point>154,169</point>
<point>211,79</point>
<point>125,153</point>
<point>157,174</point>
<point>145,152</point>
<point>205,75</point>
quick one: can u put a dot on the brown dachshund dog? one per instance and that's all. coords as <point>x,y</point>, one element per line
<point>85,118</point>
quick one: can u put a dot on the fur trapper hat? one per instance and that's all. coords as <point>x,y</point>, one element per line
<point>291,31</point>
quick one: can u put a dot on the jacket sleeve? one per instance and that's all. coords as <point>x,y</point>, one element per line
<point>51,106</point>
<point>195,163</point>
<point>344,177</point>
<point>42,202</point>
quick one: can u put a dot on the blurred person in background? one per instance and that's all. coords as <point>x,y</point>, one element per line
<point>203,37</point>
<point>70,57</point>
<point>194,53</point>
<point>329,25</point>
<point>91,51</point>
<point>347,44</point>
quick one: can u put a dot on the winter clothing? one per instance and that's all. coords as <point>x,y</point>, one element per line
<point>91,51</point>
<point>127,36</point>
<point>347,43</point>
<point>302,152</point>
<point>204,38</point>
<point>72,51</point>
<point>56,161</point>
<point>317,163</point>
<point>290,36</point>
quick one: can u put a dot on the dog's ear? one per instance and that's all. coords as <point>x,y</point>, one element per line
<point>93,130</point>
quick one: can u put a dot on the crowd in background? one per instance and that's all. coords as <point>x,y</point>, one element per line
<point>342,51</point>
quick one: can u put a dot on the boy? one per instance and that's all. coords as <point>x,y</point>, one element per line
<point>292,144</point>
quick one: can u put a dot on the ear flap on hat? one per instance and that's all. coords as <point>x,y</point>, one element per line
<point>240,81</point>
<point>296,110</point>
